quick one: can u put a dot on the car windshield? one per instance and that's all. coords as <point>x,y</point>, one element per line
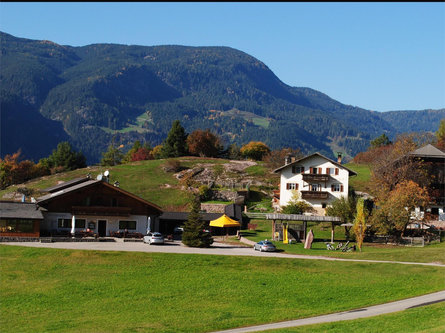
<point>157,234</point>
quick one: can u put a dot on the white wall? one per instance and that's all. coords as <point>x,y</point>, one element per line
<point>50,222</point>
<point>315,161</point>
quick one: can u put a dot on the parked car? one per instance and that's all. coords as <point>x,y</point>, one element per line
<point>178,230</point>
<point>264,245</point>
<point>154,238</point>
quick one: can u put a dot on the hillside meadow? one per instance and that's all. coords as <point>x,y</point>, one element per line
<point>97,291</point>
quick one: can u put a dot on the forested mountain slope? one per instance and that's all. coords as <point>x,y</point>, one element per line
<point>93,93</point>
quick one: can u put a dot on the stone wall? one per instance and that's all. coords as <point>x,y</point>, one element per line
<point>213,208</point>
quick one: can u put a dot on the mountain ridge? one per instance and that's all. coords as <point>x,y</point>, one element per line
<point>103,91</point>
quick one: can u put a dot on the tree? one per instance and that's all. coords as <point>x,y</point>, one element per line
<point>276,158</point>
<point>344,207</point>
<point>440,135</point>
<point>255,150</point>
<point>380,141</point>
<point>138,152</point>
<point>113,156</point>
<point>157,152</point>
<point>396,165</point>
<point>394,213</point>
<point>194,234</point>
<point>296,206</point>
<point>14,172</point>
<point>360,223</point>
<point>204,143</point>
<point>234,152</point>
<point>64,158</point>
<point>175,144</point>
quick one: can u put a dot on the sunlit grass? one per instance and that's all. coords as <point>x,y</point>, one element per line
<point>94,291</point>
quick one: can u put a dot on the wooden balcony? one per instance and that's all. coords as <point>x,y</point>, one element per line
<point>101,210</point>
<point>314,195</point>
<point>309,177</point>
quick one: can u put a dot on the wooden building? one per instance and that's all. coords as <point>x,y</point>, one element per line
<point>95,205</point>
<point>19,219</point>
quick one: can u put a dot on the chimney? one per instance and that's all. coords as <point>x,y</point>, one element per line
<point>339,154</point>
<point>289,159</point>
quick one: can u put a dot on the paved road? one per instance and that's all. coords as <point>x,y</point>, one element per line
<point>348,315</point>
<point>178,247</point>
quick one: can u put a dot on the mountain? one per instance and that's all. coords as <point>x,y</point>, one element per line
<point>96,93</point>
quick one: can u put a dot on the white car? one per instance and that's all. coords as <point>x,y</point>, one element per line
<point>154,238</point>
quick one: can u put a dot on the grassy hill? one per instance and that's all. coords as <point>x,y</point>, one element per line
<point>150,181</point>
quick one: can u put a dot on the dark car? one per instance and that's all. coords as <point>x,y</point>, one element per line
<point>265,245</point>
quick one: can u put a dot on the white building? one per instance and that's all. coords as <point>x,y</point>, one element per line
<point>317,179</point>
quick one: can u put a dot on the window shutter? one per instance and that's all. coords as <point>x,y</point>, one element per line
<point>296,186</point>
<point>293,169</point>
<point>319,171</point>
<point>332,188</point>
<point>287,186</point>
<point>341,188</point>
<point>302,169</point>
<point>311,170</point>
<point>327,171</point>
<point>336,171</point>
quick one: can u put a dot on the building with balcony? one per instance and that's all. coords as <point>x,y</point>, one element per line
<point>318,180</point>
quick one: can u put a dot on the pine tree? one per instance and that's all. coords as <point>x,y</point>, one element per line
<point>194,234</point>
<point>175,145</point>
<point>113,156</point>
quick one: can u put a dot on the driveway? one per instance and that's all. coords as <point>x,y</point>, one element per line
<point>177,247</point>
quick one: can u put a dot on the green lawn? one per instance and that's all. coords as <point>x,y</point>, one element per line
<point>429,253</point>
<point>429,318</point>
<point>93,291</point>
<point>361,181</point>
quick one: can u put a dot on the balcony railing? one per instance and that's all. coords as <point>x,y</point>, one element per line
<point>101,210</point>
<point>309,177</point>
<point>314,195</point>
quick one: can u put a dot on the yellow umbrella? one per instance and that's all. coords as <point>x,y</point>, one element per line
<point>224,222</point>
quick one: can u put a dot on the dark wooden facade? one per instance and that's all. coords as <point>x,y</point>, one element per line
<point>98,198</point>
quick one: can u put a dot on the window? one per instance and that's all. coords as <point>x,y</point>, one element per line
<point>297,169</point>
<point>16,225</point>
<point>323,205</point>
<point>130,225</point>
<point>337,188</point>
<point>314,187</point>
<point>291,186</point>
<point>113,202</point>
<point>66,223</point>
<point>330,171</point>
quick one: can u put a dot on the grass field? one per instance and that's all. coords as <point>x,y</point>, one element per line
<point>429,318</point>
<point>361,181</point>
<point>92,291</point>
<point>429,253</point>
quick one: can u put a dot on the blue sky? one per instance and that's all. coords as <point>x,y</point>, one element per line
<point>379,56</point>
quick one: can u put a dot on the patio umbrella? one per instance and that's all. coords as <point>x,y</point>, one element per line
<point>148,224</point>
<point>224,222</point>
<point>73,225</point>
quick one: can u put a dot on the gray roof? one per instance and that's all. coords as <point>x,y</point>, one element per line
<point>19,210</point>
<point>64,185</point>
<point>351,173</point>
<point>428,151</point>
<point>67,190</point>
